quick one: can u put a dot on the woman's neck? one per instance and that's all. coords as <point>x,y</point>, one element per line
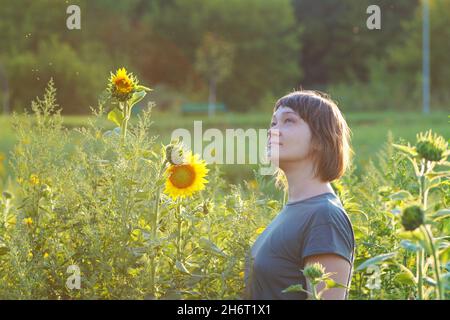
<point>302,184</point>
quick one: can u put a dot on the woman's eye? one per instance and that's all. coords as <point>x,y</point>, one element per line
<point>288,119</point>
<point>272,124</point>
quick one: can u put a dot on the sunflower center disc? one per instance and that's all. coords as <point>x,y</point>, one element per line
<point>182,176</point>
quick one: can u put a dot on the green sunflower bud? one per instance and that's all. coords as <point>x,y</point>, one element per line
<point>431,147</point>
<point>46,191</point>
<point>314,271</point>
<point>7,195</point>
<point>412,218</point>
<point>174,154</point>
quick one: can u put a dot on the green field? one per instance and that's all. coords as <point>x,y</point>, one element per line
<point>369,130</point>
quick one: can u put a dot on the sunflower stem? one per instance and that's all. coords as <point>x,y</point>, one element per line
<point>155,232</point>
<point>154,235</point>
<point>421,251</point>
<point>179,226</point>
<point>423,184</point>
<point>439,293</point>
<point>420,273</point>
<point>126,111</point>
<point>314,290</point>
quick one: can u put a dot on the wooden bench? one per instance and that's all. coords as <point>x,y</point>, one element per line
<point>201,108</point>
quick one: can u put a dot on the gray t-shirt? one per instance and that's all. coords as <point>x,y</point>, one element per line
<point>303,228</point>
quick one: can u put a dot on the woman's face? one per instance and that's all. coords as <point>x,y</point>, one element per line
<point>290,134</point>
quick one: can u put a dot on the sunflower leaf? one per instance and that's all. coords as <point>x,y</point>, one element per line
<point>143,88</point>
<point>438,174</point>
<point>409,245</point>
<point>375,260</point>
<point>137,96</point>
<point>294,288</point>
<point>441,214</point>
<point>116,116</point>
<point>400,195</point>
<point>330,283</point>
<point>181,267</point>
<point>406,149</point>
<point>210,246</point>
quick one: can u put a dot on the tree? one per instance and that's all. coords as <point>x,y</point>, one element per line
<point>214,59</point>
<point>406,56</point>
<point>264,34</point>
<point>337,45</point>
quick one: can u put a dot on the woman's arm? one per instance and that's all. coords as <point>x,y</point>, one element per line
<point>341,269</point>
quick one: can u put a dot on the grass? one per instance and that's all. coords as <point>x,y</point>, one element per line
<point>369,130</point>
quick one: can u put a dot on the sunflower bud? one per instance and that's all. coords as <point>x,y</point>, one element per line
<point>314,271</point>
<point>7,195</point>
<point>122,85</point>
<point>412,218</point>
<point>46,191</point>
<point>431,147</point>
<point>174,154</point>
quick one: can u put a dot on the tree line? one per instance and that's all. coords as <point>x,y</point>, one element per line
<point>253,50</point>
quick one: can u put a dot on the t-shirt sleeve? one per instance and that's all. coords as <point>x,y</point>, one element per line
<point>331,238</point>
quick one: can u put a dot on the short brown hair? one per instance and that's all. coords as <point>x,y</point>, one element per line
<point>330,134</point>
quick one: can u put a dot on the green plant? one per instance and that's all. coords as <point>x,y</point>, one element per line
<point>417,219</point>
<point>314,275</point>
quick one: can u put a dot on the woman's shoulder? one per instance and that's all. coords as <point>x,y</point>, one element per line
<point>329,211</point>
<point>330,221</point>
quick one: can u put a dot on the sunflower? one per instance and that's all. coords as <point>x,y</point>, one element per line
<point>185,179</point>
<point>122,84</point>
<point>431,147</point>
<point>412,218</point>
<point>122,81</point>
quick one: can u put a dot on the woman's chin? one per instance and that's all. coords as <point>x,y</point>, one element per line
<point>275,160</point>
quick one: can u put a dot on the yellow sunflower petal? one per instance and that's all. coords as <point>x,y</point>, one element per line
<point>122,81</point>
<point>186,179</point>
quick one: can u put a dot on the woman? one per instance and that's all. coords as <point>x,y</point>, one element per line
<point>309,140</point>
